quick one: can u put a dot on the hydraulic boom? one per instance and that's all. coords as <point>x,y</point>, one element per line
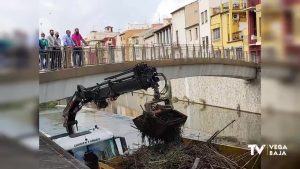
<point>137,78</point>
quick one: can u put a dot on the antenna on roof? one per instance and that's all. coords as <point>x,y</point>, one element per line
<point>158,17</point>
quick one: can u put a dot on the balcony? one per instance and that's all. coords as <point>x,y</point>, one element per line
<point>237,36</point>
<point>239,6</point>
<point>215,11</point>
<point>253,39</point>
<point>223,8</point>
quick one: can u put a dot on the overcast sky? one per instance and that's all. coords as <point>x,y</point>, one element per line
<point>90,15</point>
<point>18,14</point>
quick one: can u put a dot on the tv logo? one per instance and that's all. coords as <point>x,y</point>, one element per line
<point>272,150</point>
<point>254,147</point>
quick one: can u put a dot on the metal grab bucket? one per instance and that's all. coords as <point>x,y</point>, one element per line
<point>165,125</point>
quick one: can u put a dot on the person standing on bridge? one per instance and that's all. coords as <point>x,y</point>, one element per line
<point>51,45</point>
<point>57,44</point>
<point>68,45</point>
<point>77,39</point>
<point>43,44</point>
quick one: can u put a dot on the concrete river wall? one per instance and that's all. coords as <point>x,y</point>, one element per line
<point>219,91</point>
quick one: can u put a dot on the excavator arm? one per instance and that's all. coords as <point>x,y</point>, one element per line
<point>140,77</point>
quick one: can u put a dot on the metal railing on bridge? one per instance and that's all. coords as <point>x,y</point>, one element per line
<point>76,57</point>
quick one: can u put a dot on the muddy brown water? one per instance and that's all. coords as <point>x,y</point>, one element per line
<point>202,122</point>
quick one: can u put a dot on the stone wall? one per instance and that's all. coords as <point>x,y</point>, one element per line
<point>219,91</point>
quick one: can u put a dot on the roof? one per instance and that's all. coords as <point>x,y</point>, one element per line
<point>183,7</point>
<point>146,32</point>
<point>100,35</point>
<point>163,27</point>
<point>179,9</point>
<point>137,31</point>
<point>148,36</point>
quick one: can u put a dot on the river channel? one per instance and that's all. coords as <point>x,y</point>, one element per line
<point>203,121</point>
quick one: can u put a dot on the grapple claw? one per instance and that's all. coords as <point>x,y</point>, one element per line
<point>165,125</point>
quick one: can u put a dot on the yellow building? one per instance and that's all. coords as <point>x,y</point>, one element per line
<point>229,30</point>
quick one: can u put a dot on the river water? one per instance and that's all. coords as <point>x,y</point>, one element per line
<point>203,121</point>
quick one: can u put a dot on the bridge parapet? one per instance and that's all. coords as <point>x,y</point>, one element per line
<point>160,64</point>
<point>64,58</point>
<point>61,83</point>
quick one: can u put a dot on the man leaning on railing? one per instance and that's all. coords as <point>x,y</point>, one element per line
<point>77,51</point>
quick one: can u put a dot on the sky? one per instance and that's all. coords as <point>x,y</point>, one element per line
<point>90,15</point>
<point>15,14</point>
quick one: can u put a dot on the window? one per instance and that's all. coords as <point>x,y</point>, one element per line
<point>254,24</point>
<point>160,38</point>
<point>205,16</point>
<point>203,41</point>
<point>167,36</point>
<point>202,17</point>
<point>177,37</point>
<point>253,56</point>
<point>218,53</point>
<point>259,26</point>
<point>191,38</point>
<point>239,53</point>
<point>216,34</point>
<point>227,53</point>
<point>104,150</point>
<point>196,33</point>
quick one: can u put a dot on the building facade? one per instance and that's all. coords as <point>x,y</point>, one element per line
<point>178,27</point>
<point>192,23</point>
<point>129,37</point>
<point>229,30</point>
<point>204,22</point>
<point>149,39</point>
<point>254,28</point>
<point>105,38</point>
<point>163,35</point>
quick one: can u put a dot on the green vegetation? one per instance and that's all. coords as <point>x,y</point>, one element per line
<point>48,105</point>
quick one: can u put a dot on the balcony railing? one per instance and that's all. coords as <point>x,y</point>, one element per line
<point>216,10</point>
<point>239,6</point>
<point>223,8</point>
<point>237,36</point>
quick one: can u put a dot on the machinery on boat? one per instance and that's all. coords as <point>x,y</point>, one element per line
<point>94,147</point>
<point>158,120</point>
